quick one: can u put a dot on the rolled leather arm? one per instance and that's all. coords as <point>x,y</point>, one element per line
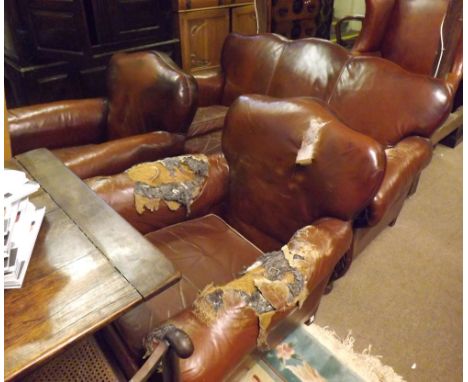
<point>119,192</point>
<point>57,124</point>
<point>405,161</point>
<point>113,157</point>
<point>227,322</point>
<point>210,87</point>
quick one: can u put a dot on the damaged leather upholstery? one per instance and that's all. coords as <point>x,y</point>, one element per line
<point>269,197</point>
<point>148,97</point>
<point>371,95</point>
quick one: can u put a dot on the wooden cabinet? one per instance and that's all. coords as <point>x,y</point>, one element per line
<point>58,49</point>
<point>204,26</point>
<point>202,37</point>
<point>244,20</point>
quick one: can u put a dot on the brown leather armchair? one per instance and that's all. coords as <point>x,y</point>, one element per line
<point>422,36</point>
<point>399,109</point>
<point>309,182</point>
<point>150,103</point>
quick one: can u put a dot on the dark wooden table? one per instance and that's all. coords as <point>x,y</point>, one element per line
<point>88,267</point>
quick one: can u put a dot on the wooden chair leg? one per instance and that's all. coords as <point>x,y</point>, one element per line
<point>454,138</point>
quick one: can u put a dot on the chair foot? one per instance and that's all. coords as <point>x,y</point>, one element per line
<point>341,267</point>
<point>454,138</point>
<point>414,186</point>
<point>392,223</point>
<point>329,287</point>
<point>310,320</point>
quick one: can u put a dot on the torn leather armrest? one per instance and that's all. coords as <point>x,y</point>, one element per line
<point>227,322</point>
<point>57,124</point>
<point>405,161</point>
<point>210,87</point>
<point>157,194</point>
<point>116,156</point>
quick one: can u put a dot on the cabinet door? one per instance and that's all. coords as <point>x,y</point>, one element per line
<point>123,20</point>
<point>244,20</point>
<point>202,36</point>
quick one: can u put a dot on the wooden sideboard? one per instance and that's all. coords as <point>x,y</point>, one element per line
<point>59,49</point>
<point>204,25</point>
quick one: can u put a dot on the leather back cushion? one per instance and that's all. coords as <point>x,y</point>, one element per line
<point>269,191</point>
<point>148,92</point>
<point>378,98</point>
<point>307,67</point>
<point>272,65</point>
<point>249,63</point>
<point>412,37</point>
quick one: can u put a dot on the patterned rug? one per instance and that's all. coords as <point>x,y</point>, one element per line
<point>314,354</point>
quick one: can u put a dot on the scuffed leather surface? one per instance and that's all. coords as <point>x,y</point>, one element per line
<point>269,191</point>
<point>210,87</point>
<point>148,92</point>
<point>207,119</point>
<point>204,251</point>
<point>57,124</point>
<point>404,162</point>
<point>221,346</point>
<point>380,99</point>
<point>117,191</point>
<point>116,156</point>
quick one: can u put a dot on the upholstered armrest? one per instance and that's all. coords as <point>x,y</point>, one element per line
<point>148,205</point>
<point>405,161</point>
<point>210,87</point>
<point>57,124</point>
<point>113,157</point>
<point>227,322</point>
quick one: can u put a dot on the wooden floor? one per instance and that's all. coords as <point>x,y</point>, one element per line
<point>403,294</point>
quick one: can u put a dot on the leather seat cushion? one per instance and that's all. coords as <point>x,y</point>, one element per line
<point>205,250</point>
<point>205,144</point>
<point>207,119</point>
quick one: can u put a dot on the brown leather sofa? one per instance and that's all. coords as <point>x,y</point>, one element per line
<point>150,104</point>
<point>272,65</point>
<point>309,182</point>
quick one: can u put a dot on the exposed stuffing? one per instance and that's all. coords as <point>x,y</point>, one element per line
<point>275,282</point>
<point>175,181</point>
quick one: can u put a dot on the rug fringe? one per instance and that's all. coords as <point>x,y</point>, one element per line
<point>365,364</point>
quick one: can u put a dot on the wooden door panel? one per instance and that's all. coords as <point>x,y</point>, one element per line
<point>202,36</point>
<point>244,20</point>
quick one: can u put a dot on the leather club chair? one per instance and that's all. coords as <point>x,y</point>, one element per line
<point>303,189</point>
<point>371,95</point>
<point>150,105</point>
<point>422,36</point>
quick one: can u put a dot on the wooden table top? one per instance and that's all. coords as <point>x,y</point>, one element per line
<point>88,267</point>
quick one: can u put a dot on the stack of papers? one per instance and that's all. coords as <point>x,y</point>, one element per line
<point>20,226</point>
